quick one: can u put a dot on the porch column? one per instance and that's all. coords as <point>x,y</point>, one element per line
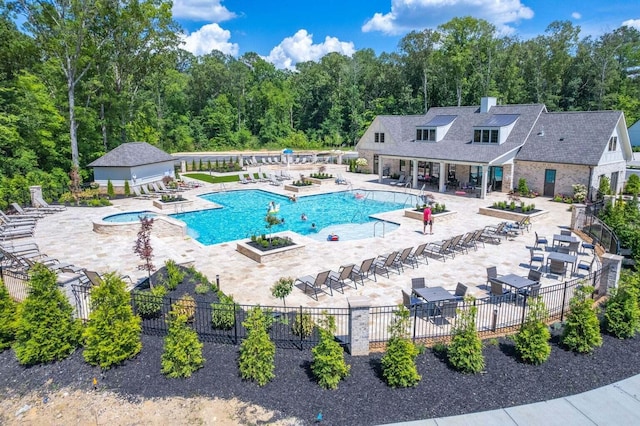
<point>380,167</point>
<point>414,173</point>
<point>442,181</point>
<point>484,171</point>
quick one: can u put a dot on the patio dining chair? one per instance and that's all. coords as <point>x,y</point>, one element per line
<point>583,265</point>
<point>492,274</point>
<point>535,256</point>
<point>534,275</point>
<point>461,291</point>
<point>498,292</point>
<point>410,301</point>
<point>418,282</point>
<point>446,312</point>
<point>540,240</point>
<point>557,267</point>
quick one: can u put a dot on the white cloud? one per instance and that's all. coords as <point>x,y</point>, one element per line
<point>300,48</point>
<point>576,15</point>
<point>209,37</point>
<point>634,23</point>
<point>201,10</point>
<point>407,15</point>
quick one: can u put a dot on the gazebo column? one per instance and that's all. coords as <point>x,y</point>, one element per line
<point>380,168</point>
<point>484,171</point>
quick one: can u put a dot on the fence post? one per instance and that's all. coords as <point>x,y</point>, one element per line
<point>358,325</point>
<point>611,266</point>
<point>494,320</point>
<point>235,323</point>
<point>524,309</point>
<point>564,300</point>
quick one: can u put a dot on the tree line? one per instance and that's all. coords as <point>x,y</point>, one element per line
<point>81,77</point>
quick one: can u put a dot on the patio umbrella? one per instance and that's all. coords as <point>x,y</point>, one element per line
<point>288,152</point>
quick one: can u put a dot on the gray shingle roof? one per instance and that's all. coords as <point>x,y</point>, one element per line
<point>457,145</point>
<point>570,137</point>
<point>132,154</point>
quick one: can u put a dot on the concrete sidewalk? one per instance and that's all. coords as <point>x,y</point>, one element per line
<point>615,404</point>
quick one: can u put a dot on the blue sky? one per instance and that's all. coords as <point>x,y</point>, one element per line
<point>285,32</point>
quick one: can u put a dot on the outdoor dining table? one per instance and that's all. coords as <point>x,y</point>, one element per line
<point>557,238</point>
<point>433,294</point>
<point>515,281</point>
<point>563,257</point>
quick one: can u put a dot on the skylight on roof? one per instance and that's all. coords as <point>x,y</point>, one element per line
<point>500,120</point>
<point>440,120</point>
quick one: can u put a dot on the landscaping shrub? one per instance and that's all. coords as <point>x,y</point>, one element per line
<point>199,277</point>
<point>174,274</point>
<point>182,354</point>
<point>302,325</point>
<point>328,365</point>
<point>523,189</point>
<point>257,351</point>
<point>202,288</point>
<point>582,328</point>
<point>7,318</point>
<point>46,329</point>
<point>622,314</point>
<point>633,185</point>
<point>532,341</point>
<point>223,314</point>
<point>110,191</point>
<point>399,362</point>
<point>149,303</point>
<point>127,188</point>
<point>113,333</point>
<point>604,186</point>
<point>465,351</point>
<point>185,306</point>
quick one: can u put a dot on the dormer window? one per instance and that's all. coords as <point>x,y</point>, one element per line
<point>495,129</point>
<point>435,129</point>
<point>426,135</point>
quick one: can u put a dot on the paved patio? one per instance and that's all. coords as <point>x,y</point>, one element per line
<point>69,237</point>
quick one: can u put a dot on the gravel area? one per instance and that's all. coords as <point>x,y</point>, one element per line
<point>361,399</point>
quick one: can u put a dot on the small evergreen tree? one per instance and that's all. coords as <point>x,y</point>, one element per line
<point>328,363</point>
<point>282,288</point>
<point>223,314</point>
<point>465,351</point>
<point>127,188</point>
<point>182,353</point>
<point>200,165</point>
<point>143,246</point>
<point>257,351</point>
<point>605,186</point>
<point>110,191</point>
<point>582,329</point>
<point>175,275</point>
<point>622,314</point>
<point>193,165</point>
<point>399,362</point>
<point>209,164</point>
<point>46,330</point>
<point>633,185</point>
<point>7,318</point>
<point>532,341</point>
<point>112,334</point>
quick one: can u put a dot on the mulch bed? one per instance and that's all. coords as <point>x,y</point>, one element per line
<point>361,399</point>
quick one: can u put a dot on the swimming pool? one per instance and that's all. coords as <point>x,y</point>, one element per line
<point>243,214</point>
<point>128,217</point>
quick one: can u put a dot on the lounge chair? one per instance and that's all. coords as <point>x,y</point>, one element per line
<point>467,241</point>
<point>340,277</point>
<point>399,182</point>
<point>316,283</point>
<point>43,204</point>
<point>440,250</point>
<point>490,234</point>
<point>26,213</point>
<point>382,264</point>
<point>17,220</point>
<point>145,190</point>
<point>139,194</point>
<point>12,234</point>
<point>365,270</point>
<point>157,189</point>
<point>242,179</point>
<point>405,258</point>
<point>273,180</point>
<point>419,253</point>
<point>250,178</point>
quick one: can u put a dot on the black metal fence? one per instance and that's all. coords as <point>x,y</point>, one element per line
<point>495,314</point>
<point>598,230</point>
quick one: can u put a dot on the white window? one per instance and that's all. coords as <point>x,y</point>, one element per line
<point>613,143</point>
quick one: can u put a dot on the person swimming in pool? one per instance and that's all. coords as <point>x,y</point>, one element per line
<point>313,227</point>
<point>303,217</point>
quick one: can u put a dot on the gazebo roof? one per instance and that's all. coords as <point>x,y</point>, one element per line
<point>132,154</point>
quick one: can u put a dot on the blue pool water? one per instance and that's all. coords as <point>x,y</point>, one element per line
<point>128,217</point>
<point>243,214</point>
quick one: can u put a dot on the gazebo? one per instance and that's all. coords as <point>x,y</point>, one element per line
<point>136,162</point>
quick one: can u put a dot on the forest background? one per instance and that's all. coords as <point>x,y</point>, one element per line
<point>80,77</point>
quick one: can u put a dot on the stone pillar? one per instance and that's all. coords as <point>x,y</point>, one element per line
<point>36,194</point>
<point>610,280</point>
<point>359,325</point>
<point>577,216</point>
<point>183,166</point>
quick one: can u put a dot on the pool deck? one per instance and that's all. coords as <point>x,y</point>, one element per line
<point>69,237</point>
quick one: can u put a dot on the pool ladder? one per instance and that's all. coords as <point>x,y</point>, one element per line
<point>375,225</point>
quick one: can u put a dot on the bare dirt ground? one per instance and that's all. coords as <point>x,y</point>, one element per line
<point>73,407</point>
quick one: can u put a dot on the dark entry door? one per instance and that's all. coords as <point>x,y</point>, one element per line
<point>376,164</point>
<point>549,183</point>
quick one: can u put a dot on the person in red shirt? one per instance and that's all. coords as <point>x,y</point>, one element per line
<point>427,220</point>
